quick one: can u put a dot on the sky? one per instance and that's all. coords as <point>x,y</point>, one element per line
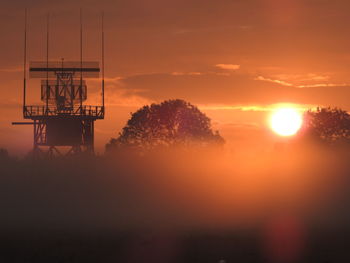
<point>236,60</point>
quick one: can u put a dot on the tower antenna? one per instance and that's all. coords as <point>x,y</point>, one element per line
<point>103,61</point>
<point>25,60</point>
<point>63,119</point>
<point>47,60</point>
<point>81,60</point>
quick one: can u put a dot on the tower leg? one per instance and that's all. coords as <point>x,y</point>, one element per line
<point>52,152</point>
<point>75,150</point>
<point>44,138</point>
<point>88,136</point>
<point>36,152</point>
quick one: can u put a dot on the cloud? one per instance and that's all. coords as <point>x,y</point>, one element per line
<point>310,77</point>
<point>118,96</point>
<point>241,91</point>
<point>212,89</point>
<point>258,108</point>
<point>187,73</point>
<point>237,89</point>
<point>107,79</point>
<point>323,85</point>
<point>120,100</point>
<point>284,83</point>
<point>228,66</point>
<point>302,77</point>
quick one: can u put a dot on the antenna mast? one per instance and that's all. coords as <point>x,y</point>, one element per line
<point>25,60</point>
<point>63,119</point>
<point>81,59</point>
<point>103,63</point>
<point>47,60</point>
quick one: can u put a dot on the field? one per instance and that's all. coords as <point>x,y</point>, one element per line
<point>289,205</point>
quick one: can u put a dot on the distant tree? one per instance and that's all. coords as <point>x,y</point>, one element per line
<point>170,123</point>
<point>4,154</point>
<point>328,125</point>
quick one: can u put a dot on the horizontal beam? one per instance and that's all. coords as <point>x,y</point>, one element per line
<point>22,123</point>
<point>64,69</point>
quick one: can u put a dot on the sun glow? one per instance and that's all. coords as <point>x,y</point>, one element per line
<point>286,121</point>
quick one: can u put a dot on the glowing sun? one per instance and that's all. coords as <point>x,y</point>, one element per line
<point>286,121</point>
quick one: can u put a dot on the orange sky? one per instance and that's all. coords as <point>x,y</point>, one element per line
<point>234,59</point>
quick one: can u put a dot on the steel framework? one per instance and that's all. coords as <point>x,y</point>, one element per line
<point>64,120</point>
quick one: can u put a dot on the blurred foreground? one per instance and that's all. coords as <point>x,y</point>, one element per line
<point>290,205</point>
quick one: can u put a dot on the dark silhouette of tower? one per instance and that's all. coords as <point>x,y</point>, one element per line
<point>63,119</point>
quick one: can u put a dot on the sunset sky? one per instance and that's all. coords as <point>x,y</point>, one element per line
<point>233,59</point>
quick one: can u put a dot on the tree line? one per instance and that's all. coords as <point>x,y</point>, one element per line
<point>177,123</point>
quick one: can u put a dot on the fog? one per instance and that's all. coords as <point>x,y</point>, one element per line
<point>291,195</point>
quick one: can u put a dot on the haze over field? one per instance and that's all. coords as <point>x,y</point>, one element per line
<point>234,59</point>
<point>174,206</point>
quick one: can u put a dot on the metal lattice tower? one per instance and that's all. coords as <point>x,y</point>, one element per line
<point>63,120</point>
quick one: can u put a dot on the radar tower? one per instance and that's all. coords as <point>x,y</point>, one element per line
<point>63,120</point>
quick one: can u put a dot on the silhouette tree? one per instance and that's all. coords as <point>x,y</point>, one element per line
<point>4,154</point>
<point>170,123</point>
<point>328,125</point>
